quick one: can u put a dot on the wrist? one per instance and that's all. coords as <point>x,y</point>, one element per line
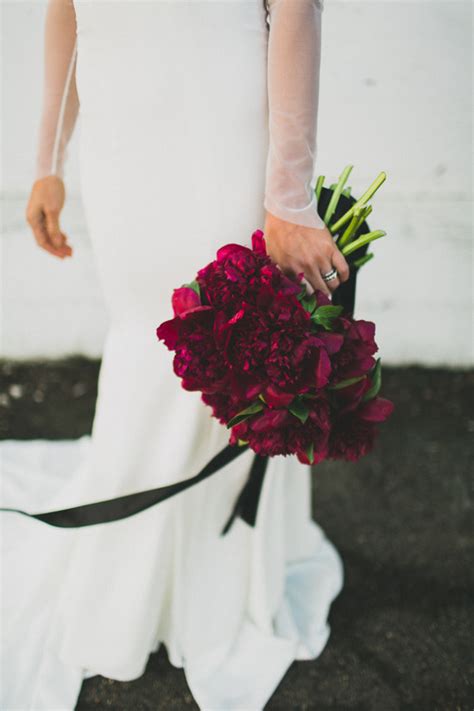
<point>306,216</point>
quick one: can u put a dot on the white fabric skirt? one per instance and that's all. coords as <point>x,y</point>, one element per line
<point>173,143</point>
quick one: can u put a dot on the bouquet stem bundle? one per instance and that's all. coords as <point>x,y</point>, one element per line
<point>350,239</point>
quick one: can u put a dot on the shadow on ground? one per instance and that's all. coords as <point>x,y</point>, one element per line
<point>401,627</point>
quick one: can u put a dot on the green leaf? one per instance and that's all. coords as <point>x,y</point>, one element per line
<point>244,414</point>
<point>299,409</point>
<point>309,303</point>
<point>324,315</point>
<point>310,453</point>
<point>242,442</point>
<point>346,383</point>
<point>302,293</point>
<point>194,286</point>
<point>376,378</point>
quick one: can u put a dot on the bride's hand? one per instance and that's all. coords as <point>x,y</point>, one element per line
<point>305,249</point>
<point>42,214</point>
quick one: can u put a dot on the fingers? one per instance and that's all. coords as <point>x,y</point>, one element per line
<point>41,237</point>
<point>301,249</point>
<point>42,214</point>
<point>52,227</point>
<point>47,234</point>
<point>340,263</point>
<point>313,275</point>
<point>56,238</point>
<point>325,265</point>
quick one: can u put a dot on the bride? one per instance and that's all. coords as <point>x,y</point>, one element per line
<point>197,126</point>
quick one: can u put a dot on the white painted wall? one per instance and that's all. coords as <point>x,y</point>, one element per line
<point>395,96</point>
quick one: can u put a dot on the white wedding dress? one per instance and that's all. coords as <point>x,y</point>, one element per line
<point>193,118</point>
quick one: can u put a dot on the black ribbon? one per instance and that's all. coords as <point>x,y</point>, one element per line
<point>122,507</point>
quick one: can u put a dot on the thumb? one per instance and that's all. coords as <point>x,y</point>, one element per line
<point>53,229</point>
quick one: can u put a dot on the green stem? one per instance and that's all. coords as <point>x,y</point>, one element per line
<point>364,213</point>
<point>371,190</point>
<point>347,191</point>
<point>363,239</point>
<point>337,193</point>
<point>360,215</point>
<point>350,230</point>
<point>363,260</point>
<point>319,186</point>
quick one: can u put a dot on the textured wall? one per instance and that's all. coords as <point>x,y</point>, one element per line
<point>395,96</point>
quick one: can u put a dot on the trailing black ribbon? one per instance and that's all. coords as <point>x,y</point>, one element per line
<point>122,507</point>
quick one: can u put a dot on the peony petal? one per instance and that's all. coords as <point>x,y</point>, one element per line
<point>353,392</point>
<point>236,317</point>
<point>228,250</point>
<point>258,242</point>
<point>303,457</point>
<point>169,332</point>
<point>184,299</point>
<point>332,341</point>
<point>290,286</point>
<point>268,420</point>
<point>323,369</point>
<point>358,367</point>
<point>376,410</point>
<point>276,398</point>
<point>252,390</point>
<point>322,299</point>
<point>365,329</point>
<point>318,455</point>
<point>198,310</point>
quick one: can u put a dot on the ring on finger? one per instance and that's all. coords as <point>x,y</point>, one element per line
<point>329,276</point>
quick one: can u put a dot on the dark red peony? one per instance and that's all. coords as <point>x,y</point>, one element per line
<point>353,433</point>
<point>355,357</point>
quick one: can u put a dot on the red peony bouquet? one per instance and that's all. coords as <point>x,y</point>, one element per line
<point>286,370</point>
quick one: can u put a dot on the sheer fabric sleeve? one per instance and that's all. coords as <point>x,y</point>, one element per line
<point>294,57</point>
<point>60,100</point>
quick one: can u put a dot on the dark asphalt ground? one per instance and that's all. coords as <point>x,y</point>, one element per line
<point>400,518</point>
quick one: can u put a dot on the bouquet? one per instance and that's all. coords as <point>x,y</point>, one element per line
<point>287,371</point>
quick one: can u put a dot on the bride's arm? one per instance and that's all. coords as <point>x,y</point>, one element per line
<point>296,235</point>
<point>60,100</point>
<point>294,58</point>
<point>59,113</point>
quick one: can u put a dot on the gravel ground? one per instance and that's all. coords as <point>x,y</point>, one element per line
<point>400,518</point>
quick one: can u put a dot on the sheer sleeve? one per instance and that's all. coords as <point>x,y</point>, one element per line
<point>60,100</point>
<point>294,57</point>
